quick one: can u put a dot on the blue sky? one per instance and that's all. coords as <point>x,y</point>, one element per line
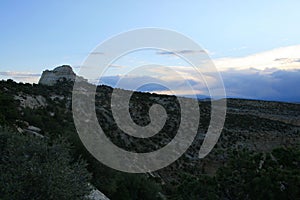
<point>36,35</point>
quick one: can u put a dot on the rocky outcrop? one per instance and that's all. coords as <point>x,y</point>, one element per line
<point>31,101</point>
<point>28,129</point>
<point>97,195</point>
<point>61,73</point>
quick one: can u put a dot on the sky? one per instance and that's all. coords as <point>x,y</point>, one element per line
<point>254,44</point>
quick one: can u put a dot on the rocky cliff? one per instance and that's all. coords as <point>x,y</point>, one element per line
<point>64,72</point>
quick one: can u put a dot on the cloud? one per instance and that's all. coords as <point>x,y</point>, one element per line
<point>269,84</point>
<point>283,58</point>
<point>158,84</point>
<point>287,60</point>
<point>97,53</point>
<point>21,76</point>
<point>180,92</point>
<point>239,48</point>
<point>278,85</point>
<point>269,75</point>
<point>10,73</point>
<point>131,82</point>
<point>178,52</point>
<point>117,66</point>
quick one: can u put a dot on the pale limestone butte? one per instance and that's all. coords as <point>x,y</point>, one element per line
<point>64,72</point>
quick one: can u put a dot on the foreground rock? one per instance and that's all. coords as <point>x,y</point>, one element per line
<point>97,195</point>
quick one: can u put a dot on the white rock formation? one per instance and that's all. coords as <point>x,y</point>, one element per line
<point>64,72</point>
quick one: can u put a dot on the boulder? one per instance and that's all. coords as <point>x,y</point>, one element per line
<point>95,194</point>
<point>33,128</point>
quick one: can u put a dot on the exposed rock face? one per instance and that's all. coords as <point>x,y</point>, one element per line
<point>64,72</point>
<point>97,195</point>
<point>30,101</point>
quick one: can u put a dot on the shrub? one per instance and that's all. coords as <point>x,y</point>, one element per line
<point>31,168</point>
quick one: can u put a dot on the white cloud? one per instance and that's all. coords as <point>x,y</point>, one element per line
<point>271,75</point>
<point>186,51</point>
<point>182,92</point>
<point>25,77</point>
<point>280,58</point>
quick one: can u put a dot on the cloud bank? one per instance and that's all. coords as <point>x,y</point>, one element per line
<point>25,77</point>
<point>278,85</point>
<point>269,75</point>
<point>284,58</point>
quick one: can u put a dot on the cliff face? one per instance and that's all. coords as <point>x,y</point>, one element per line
<point>64,72</point>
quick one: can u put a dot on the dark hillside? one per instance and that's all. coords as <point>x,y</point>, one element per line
<point>259,139</point>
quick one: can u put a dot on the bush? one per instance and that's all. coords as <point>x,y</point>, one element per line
<point>8,108</point>
<point>135,187</point>
<point>203,187</point>
<point>123,186</point>
<point>31,168</point>
<point>251,175</point>
<point>248,175</point>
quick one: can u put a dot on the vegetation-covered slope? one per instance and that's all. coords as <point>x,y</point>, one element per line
<point>258,147</point>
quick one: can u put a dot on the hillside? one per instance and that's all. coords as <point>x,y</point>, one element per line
<point>256,128</point>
